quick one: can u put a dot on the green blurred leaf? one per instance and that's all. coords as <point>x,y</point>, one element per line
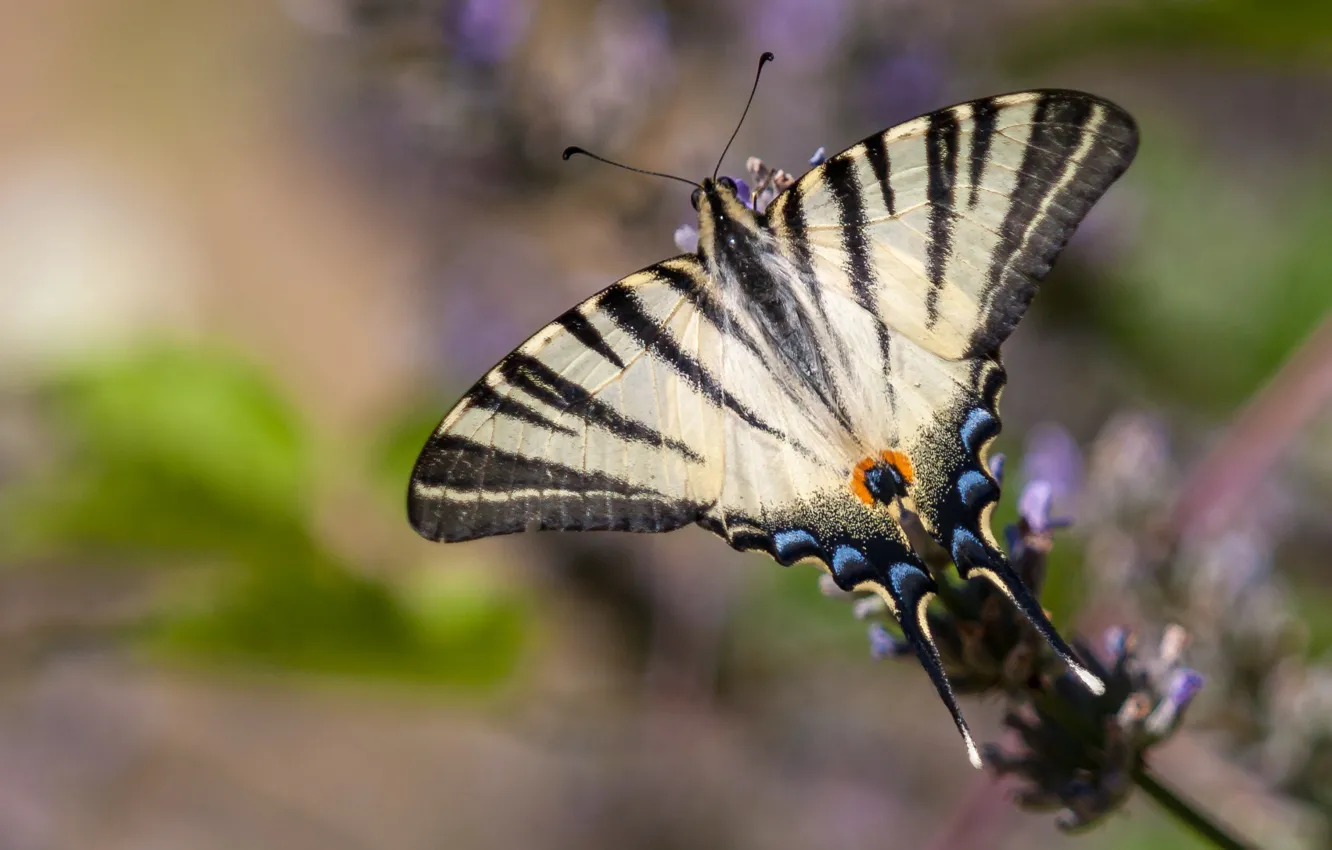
<point>176,451</point>
<point>205,415</point>
<point>1311,603</point>
<point>1294,32</point>
<point>1224,285</point>
<point>320,617</point>
<point>168,450</point>
<point>1155,831</point>
<point>784,615</point>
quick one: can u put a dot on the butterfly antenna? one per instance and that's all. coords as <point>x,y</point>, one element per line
<point>574,149</point>
<point>763,60</point>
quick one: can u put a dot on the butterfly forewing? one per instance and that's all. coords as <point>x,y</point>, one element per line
<point>958,214</point>
<point>647,407</point>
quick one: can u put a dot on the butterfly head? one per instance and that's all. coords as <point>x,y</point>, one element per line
<point>727,227</point>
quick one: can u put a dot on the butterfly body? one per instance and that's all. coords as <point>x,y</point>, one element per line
<point>812,374</point>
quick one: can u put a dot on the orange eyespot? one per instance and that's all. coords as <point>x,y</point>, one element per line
<point>858,480</point>
<point>899,461</point>
<point>896,460</point>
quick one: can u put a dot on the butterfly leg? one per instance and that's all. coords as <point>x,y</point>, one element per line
<point>975,559</point>
<point>911,590</point>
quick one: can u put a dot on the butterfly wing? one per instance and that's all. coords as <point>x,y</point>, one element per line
<point>944,225</point>
<point>647,407</point>
<point>940,229</point>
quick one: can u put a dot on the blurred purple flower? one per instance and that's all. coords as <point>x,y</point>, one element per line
<point>904,85</point>
<point>686,238</point>
<point>801,32</point>
<point>885,644</point>
<point>1184,687</point>
<point>1034,505</point>
<point>489,30</point>
<point>742,190</point>
<point>1053,456</point>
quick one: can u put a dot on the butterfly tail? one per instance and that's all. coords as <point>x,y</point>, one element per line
<point>975,560</point>
<point>912,589</point>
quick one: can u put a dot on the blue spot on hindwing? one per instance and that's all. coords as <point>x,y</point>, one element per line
<point>899,573</point>
<point>845,559</point>
<point>794,544</point>
<point>976,423</point>
<point>969,483</point>
<point>967,550</point>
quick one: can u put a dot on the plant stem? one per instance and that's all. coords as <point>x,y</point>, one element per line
<point>1185,812</point>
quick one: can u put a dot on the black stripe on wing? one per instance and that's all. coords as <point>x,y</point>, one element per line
<point>459,483</point>
<point>876,151</point>
<point>690,284</point>
<point>573,399</point>
<point>941,140</point>
<point>463,464</point>
<point>622,306</point>
<point>1033,231</point>
<point>843,184</point>
<point>486,397</point>
<point>582,329</point>
<point>984,117</point>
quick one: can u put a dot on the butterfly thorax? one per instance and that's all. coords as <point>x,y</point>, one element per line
<point>744,260</point>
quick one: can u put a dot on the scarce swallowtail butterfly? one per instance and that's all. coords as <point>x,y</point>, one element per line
<point>808,374</point>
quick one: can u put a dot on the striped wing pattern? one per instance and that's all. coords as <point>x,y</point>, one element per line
<point>754,387</point>
<point>659,402</point>
<point>941,229</point>
<point>647,407</point>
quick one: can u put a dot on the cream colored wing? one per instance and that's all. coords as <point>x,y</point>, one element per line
<point>944,225</point>
<point>647,407</point>
<point>937,232</point>
<point>934,236</point>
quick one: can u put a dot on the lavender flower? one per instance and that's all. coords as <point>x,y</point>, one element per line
<point>1078,752</point>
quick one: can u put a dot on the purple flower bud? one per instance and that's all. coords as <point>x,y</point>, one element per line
<point>819,156</point>
<point>885,644</point>
<point>1034,505</point>
<point>742,190</point>
<point>686,238</point>
<point>1184,686</point>
<point>996,462</point>
<point>869,607</point>
<point>1054,457</point>
<point>1115,641</point>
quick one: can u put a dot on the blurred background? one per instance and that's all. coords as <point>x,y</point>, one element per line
<point>250,252</point>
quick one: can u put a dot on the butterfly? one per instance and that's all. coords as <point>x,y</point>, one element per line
<point>810,374</point>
